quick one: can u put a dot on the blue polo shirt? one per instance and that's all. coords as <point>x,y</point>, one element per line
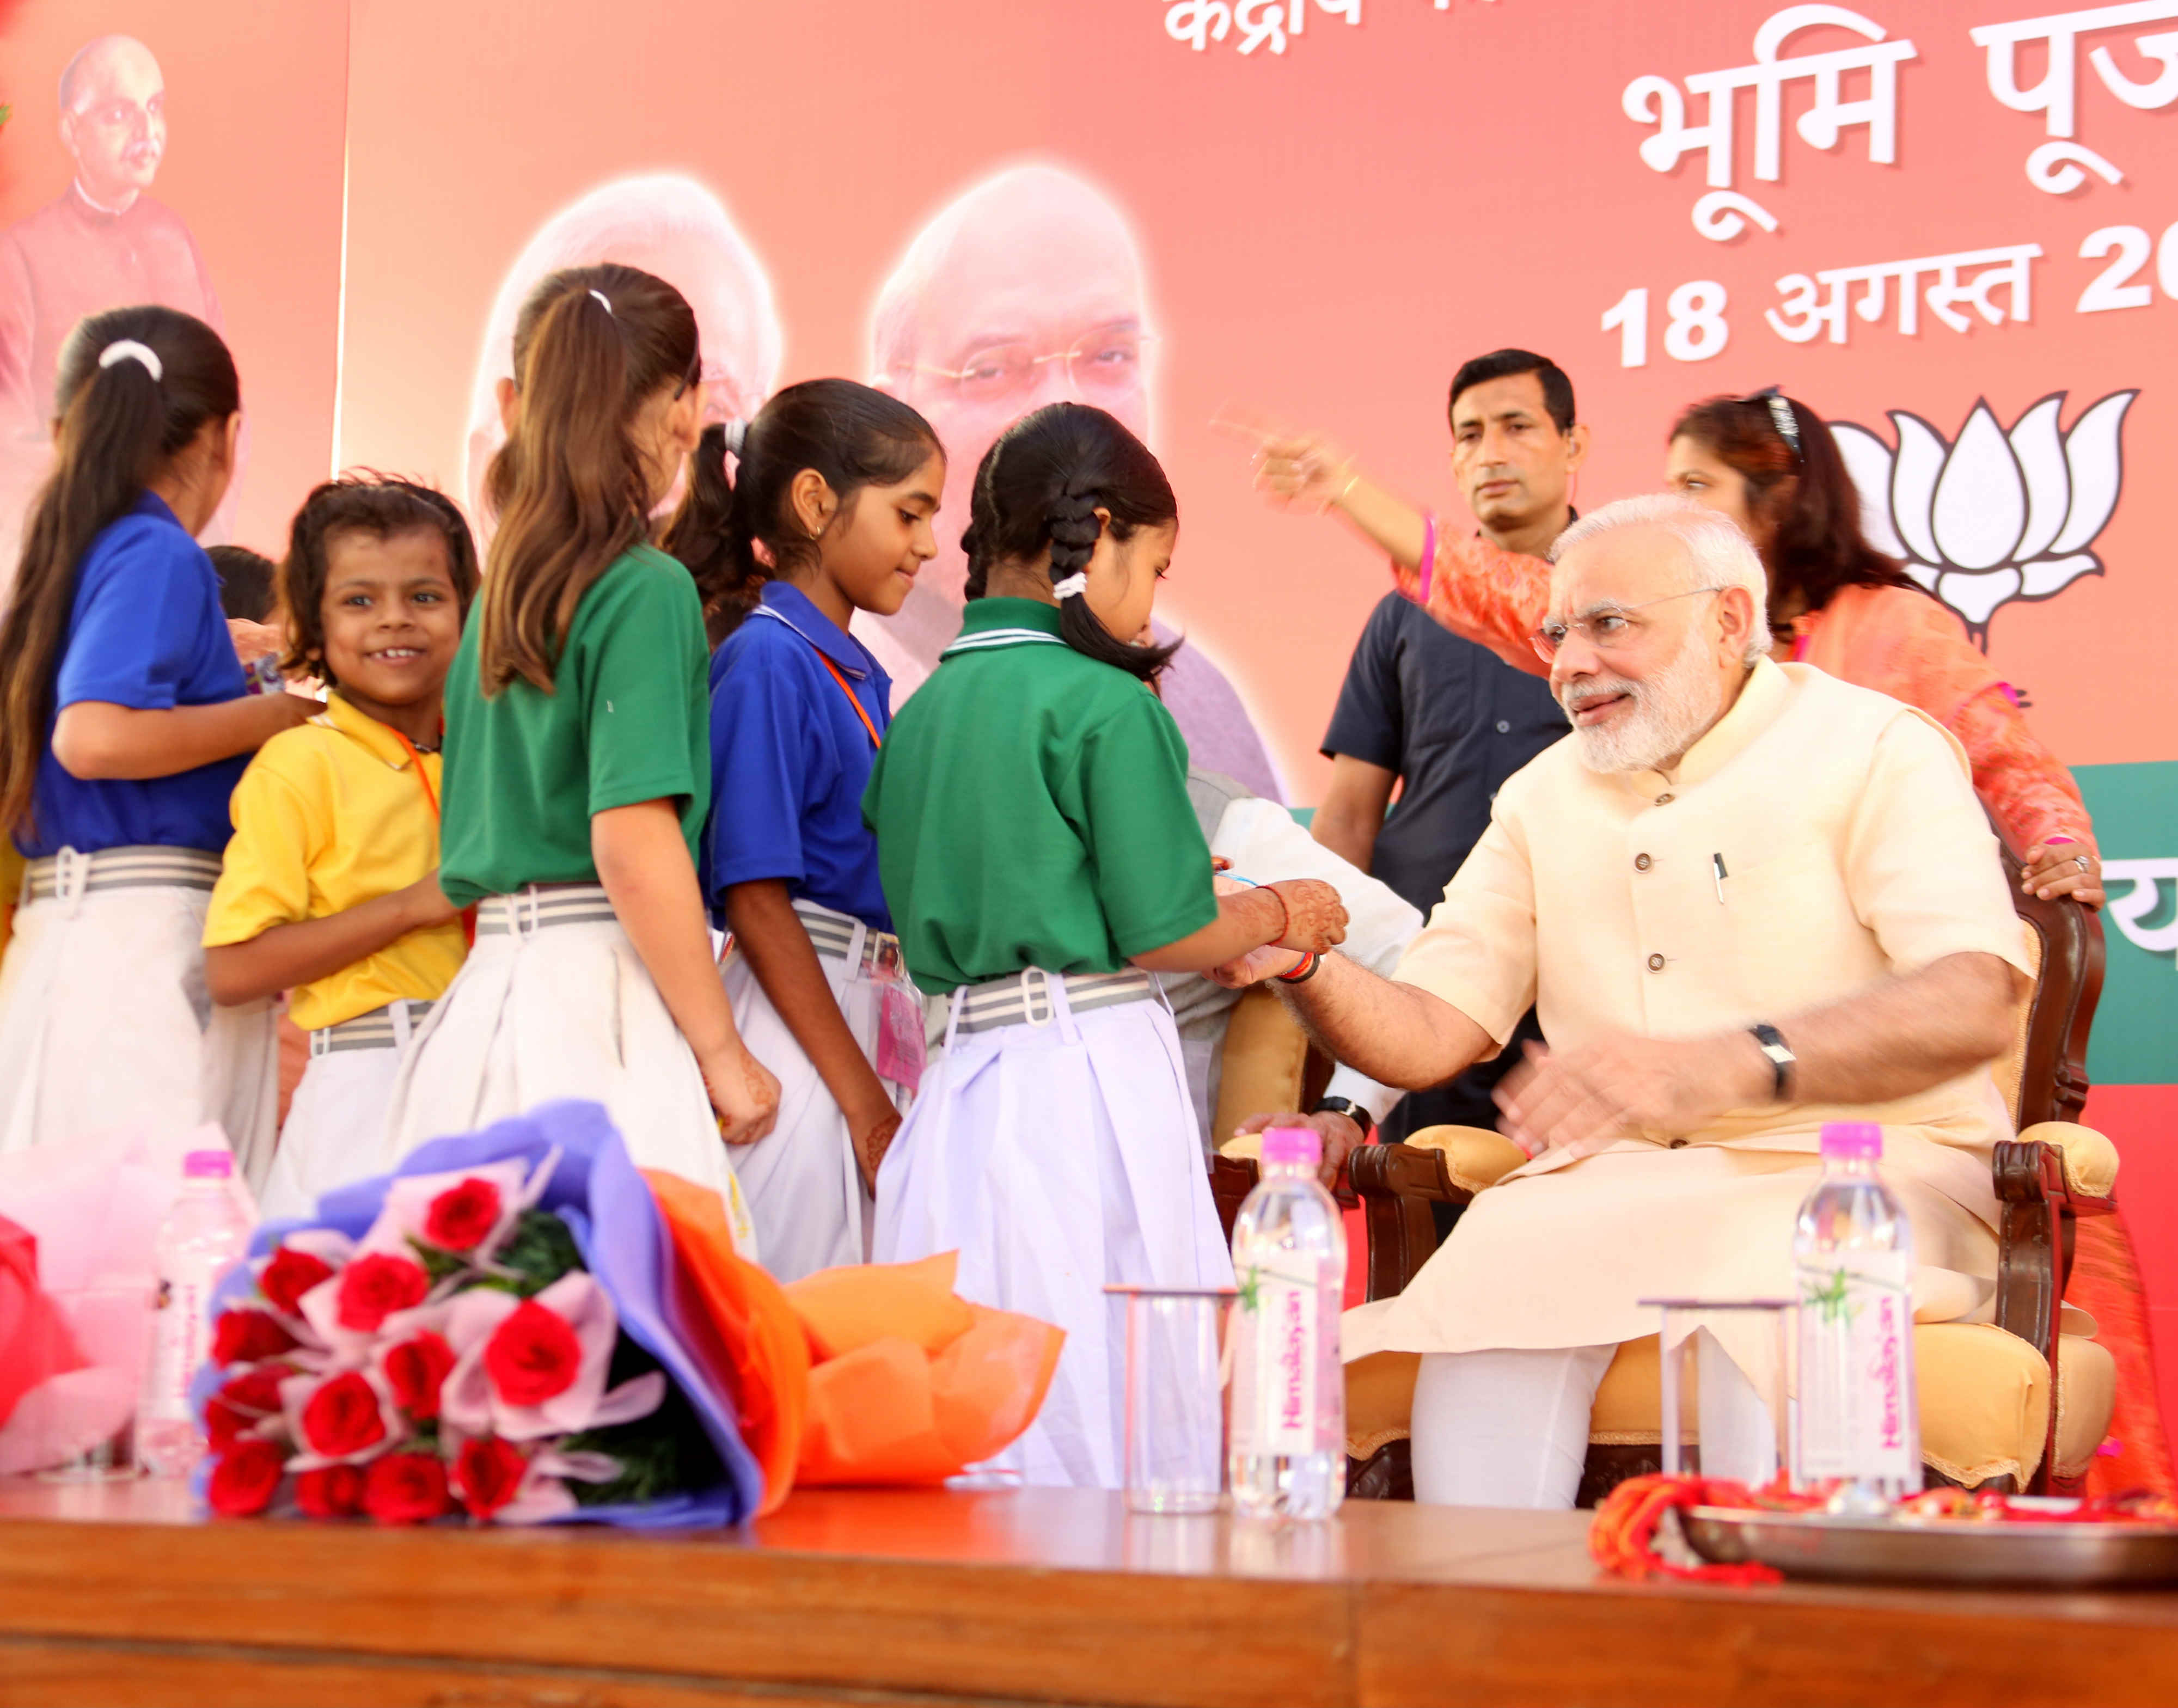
<point>146,632</point>
<point>790,758</point>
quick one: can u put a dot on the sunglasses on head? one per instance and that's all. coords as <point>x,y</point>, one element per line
<point>1781,416</point>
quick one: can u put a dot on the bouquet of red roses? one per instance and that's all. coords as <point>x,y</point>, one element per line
<point>484,1331</point>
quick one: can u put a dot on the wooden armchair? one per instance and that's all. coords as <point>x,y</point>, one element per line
<point>2034,1401</point>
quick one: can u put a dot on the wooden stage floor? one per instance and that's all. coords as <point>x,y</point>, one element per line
<point>118,1595</point>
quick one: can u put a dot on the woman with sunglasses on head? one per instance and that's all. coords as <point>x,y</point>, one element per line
<point>1770,464</point>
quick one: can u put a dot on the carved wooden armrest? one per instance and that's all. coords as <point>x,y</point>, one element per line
<point>1397,1184</point>
<point>2030,1193</point>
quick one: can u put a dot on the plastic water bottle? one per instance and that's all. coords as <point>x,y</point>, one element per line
<point>204,1232</point>
<point>1289,1436</point>
<point>1852,1252</point>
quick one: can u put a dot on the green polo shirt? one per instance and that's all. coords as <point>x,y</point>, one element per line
<point>627,720</point>
<point>1030,809</point>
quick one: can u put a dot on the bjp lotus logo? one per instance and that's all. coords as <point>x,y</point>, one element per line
<point>1992,516</point>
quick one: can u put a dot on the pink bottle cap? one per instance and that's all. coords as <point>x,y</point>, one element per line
<point>1303,1146</point>
<point>208,1165</point>
<point>1854,1139</point>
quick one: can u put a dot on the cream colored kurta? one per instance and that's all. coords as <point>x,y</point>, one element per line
<point>1854,849</point>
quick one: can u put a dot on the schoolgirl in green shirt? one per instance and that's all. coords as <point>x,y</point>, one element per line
<point>577,763</point>
<point>1040,859</point>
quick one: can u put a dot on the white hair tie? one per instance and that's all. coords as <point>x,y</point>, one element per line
<point>737,436</point>
<point>605,302</point>
<point>1076,582</point>
<point>128,350</point>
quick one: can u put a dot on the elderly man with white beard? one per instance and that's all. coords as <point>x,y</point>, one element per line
<point>1747,899</point>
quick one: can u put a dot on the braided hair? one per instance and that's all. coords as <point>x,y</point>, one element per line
<point>1041,485</point>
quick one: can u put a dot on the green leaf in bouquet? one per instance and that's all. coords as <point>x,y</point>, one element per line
<point>438,1265</point>
<point>538,1252</point>
<point>664,1454</point>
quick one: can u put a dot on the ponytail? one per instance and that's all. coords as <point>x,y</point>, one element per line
<point>728,579</point>
<point>852,435</point>
<point>1042,484</point>
<point>591,347</point>
<point>135,387</point>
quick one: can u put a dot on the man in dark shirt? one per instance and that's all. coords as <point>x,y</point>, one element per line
<point>1442,719</point>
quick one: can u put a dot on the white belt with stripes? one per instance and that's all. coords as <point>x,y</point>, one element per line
<point>542,905</point>
<point>71,873</point>
<point>1024,999</point>
<point>382,1028</point>
<point>834,934</point>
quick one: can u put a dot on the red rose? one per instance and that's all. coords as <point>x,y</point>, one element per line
<point>244,1336</point>
<point>243,1478</point>
<point>343,1416</point>
<point>414,1371</point>
<point>405,1488</point>
<point>460,1215</point>
<point>257,1389</point>
<point>330,1491</point>
<point>223,1424</point>
<point>533,1355</point>
<point>374,1287</point>
<point>487,1472</point>
<point>289,1276</point>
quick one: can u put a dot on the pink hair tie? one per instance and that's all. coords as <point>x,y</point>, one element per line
<point>1428,556</point>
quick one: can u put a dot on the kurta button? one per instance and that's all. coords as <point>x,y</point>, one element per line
<point>1655,963</point>
<point>1641,863</point>
<point>1663,800</point>
<point>1504,727</point>
<point>1679,1144</point>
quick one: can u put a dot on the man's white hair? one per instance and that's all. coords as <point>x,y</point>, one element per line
<point>1718,554</point>
<point>894,315</point>
<point>634,213</point>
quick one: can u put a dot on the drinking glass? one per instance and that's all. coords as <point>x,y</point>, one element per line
<point>1737,1413</point>
<point>1175,1397</point>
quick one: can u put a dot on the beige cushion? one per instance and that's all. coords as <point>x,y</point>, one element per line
<point>1261,1065</point>
<point>1473,1157</point>
<point>1984,1399</point>
<point>2090,1159</point>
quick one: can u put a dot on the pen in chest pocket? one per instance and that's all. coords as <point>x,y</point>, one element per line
<point>1716,866</point>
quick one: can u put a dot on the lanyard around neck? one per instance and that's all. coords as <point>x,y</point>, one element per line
<point>847,688</point>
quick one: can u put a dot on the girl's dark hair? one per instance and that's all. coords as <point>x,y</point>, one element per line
<point>360,501</point>
<point>248,581</point>
<point>853,435</point>
<point>1042,483</point>
<point>1801,493</point>
<point>120,428</point>
<point>591,347</point>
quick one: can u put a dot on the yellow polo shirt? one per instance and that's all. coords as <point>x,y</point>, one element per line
<point>329,815</point>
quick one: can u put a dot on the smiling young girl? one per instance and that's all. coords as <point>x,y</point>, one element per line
<point>577,771</point>
<point>124,727</point>
<point>1042,860</point>
<point>330,886</point>
<point>838,483</point>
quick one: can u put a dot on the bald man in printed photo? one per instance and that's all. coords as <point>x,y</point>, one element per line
<point>103,243</point>
<point>1028,290</point>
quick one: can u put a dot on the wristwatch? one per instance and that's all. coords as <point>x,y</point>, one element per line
<point>1347,1107</point>
<point>1782,1061</point>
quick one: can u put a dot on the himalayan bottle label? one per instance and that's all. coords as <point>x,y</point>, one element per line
<point>1277,1363</point>
<point>180,1342</point>
<point>1857,1417</point>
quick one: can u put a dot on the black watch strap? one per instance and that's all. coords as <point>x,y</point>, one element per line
<point>1347,1107</point>
<point>1782,1061</point>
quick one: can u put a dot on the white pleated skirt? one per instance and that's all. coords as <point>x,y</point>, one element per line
<point>105,1027</point>
<point>1058,1159</point>
<point>563,1010</point>
<point>805,1192</point>
<point>335,1130</point>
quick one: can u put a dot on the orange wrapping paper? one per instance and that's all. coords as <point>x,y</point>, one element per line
<point>872,1373</point>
